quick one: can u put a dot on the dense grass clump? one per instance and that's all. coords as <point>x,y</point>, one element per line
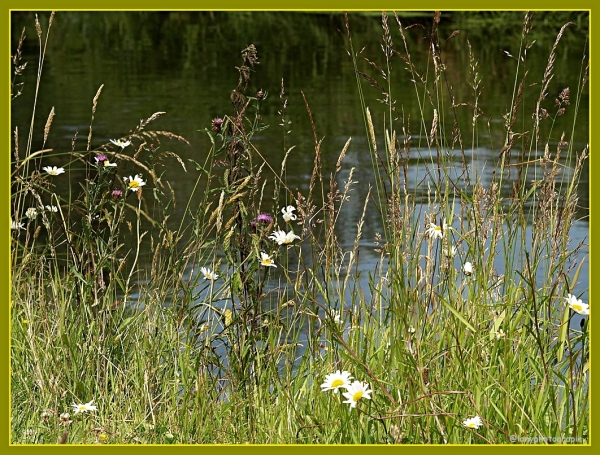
<point>252,324</point>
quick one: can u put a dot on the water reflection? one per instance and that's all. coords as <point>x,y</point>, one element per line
<point>183,63</point>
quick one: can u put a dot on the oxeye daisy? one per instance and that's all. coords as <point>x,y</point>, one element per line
<point>120,143</point>
<point>16,225</point>
<point>356,392</point>
<point>436,232</point>
<point>53,170</point>
<point>468,269</point>
<point>473,422</point>
<point>134,183</point>
<point>81,408</point>
<point>31,213</point>
<point>287,213</point>
<point>282,238</point>
<point>208,274</point>
<point>333,381</point>
<point>577,305</point>
<point>266,260</point>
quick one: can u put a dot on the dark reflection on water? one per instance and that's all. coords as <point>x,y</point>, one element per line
<point>183,63</point>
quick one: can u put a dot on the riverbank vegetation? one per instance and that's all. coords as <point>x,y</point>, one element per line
<point>252,324</point>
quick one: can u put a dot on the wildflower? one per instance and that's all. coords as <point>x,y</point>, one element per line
<point>208,274</point>
<point>287,213</point>
<point>266,260</point>
<point>577,305</point>
<point>134,182</point>
<point>468,268</point>
<point>282,238</point>
<point>31,213</point>
<point>102,160</point>
<point>450,252</point>
<point>500,334</point>
<point>64,419</point>
<point>52,208</point>
<point>474,422</point>
<point>356,392</point>
<point>77,408</point>
<point>264,218</point>
<point>53,170</point>
<point>46,414</point>
<point>217,123</point>
<point>434,231</point>
<point>333,381</point>
<point>120,143</point>
<point>337,316</point>
<point>103,437</point>
<point>116,194</point>
<point>16,225</point>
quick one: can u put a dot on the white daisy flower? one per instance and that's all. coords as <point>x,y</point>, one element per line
<point>266,260</point>
<point>333,381</point>
<point>436,232</point>
<point>134,183</point>
<point>356,392</point>
<point>81,408</point>
<point>16,225</point>
<point>287,213</point>
<point>473,422</point>
<point>31,213</point>
<point>208,274</point>
<point>53,170</point>
<point>577,305</point>
<point>468,269</point>
<point>282,238</point>
<point>120,143</point>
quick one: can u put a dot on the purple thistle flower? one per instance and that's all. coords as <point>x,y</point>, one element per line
<point>264,218</point>
<point>101,158</point>
<point>117,194</point>
<point>217,123</point>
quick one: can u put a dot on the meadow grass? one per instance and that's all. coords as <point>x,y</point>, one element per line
<point>264,304</point>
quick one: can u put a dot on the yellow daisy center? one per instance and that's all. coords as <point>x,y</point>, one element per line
<point>577,307</point>
<point>134,184</point>
<point>266,261</point>
<point>337,383</point>
<point>471,425</point>
<point>357,396</point>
